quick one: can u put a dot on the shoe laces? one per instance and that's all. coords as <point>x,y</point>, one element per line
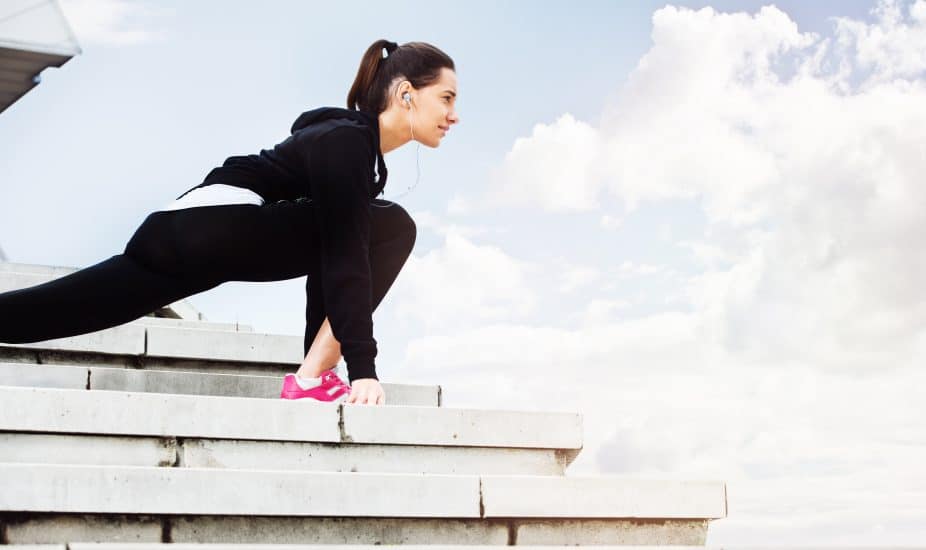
<point>329,375</point>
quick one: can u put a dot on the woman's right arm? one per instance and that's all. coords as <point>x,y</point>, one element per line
<point>339,173</point>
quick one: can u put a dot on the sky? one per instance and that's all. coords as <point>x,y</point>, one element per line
<point>699,224</point>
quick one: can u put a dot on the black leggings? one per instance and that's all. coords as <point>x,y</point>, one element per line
<point>175,254</point>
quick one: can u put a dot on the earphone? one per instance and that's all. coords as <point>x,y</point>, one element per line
<point>408,101</point>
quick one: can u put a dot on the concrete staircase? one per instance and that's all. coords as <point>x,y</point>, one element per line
<point>172,431</point>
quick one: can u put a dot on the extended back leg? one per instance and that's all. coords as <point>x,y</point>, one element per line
<point>110,293</point>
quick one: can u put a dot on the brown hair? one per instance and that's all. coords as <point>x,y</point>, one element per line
<point>418,62</point>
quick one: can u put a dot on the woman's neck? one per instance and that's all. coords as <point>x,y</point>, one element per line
<point>394,131</point>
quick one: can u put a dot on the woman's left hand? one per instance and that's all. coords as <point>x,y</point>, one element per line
<point>366,391</point>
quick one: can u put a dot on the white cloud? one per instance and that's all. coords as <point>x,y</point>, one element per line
<point>600,311</point>
<point>708,255</point>
<point>791,367</point>
<point>426,220</point>
<point>555,167</point>
<point>822,188</point>
<point>113,22</point>
<point>629,268</point>
<point>530,356</point>
<point>608,221</point>
<point>889,48</point>
<point>458,205</point>
<point>576,276</point>
<point>462,283</point>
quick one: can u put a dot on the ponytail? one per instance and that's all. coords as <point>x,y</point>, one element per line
<point>385,63</point>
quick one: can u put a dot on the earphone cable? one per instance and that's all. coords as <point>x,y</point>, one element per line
<point>417,150</point>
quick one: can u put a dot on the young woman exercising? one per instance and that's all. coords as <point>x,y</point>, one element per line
<point>305,207</point>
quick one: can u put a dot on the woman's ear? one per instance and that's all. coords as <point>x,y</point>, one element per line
<point>405,87</point>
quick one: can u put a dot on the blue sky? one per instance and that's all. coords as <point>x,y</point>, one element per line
<point>694,227</point>
<point>166,91</point>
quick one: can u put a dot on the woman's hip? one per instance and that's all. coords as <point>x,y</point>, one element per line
<point>261,242</point>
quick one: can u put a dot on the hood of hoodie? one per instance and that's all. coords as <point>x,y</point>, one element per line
<point>370,119</point>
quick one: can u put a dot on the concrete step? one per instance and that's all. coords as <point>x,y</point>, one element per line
<point>186,452</point>
<point>449,533</point>
<point>192,501</point>
<point>186,323</point>
<point>180,342</point>
<point>136,359</point>
<point>232,546</point>
<point>188,383</point>
<point>199,546</point>
<point>136,413</point>
<point>128,346</point>
<point>195,546</point>
<point>112,427</point>
<point>48,271</point>
<point>122,340</point>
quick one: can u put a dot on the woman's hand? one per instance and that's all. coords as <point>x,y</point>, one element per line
<point>366,391</point>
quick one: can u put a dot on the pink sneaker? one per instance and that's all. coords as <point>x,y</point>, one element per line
<point>327,387</point>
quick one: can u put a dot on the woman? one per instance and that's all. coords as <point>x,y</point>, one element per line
<point>305,207</point>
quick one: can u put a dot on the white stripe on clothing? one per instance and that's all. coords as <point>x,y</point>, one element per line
<point>215,194</point>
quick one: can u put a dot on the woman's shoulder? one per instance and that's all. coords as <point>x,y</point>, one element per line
<point>329,132</point>
<point>335,132</point>
<point>322,120</point>
<point>343,137</point>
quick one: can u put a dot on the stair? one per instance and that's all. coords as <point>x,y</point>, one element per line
<point>173,432</point>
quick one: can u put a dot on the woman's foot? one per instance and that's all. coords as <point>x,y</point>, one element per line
<point>328,387</point>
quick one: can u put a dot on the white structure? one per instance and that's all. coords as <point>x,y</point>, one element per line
<point>34,35</point>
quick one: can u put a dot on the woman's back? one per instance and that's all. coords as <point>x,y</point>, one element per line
<point>283,172</point>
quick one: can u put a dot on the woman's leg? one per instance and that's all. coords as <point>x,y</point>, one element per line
<point>280,241</point>
<point>391,242</point>
<point>172,255</point>
<point>392,238</point>
<point>178,253</point>
<point>107,294</point>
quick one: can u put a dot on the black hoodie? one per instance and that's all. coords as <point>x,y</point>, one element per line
<point>281,173</point>
<point>330,158</point>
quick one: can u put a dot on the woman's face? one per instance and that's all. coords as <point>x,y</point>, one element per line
<point>434,109</point>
